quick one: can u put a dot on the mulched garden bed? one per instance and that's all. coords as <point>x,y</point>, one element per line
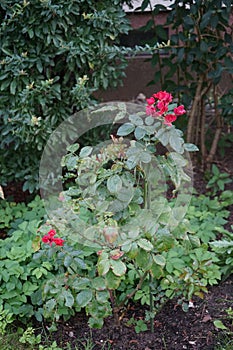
<point>174,329</point>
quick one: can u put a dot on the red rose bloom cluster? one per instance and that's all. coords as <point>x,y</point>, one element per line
<point>49,238</point>
<point>158,106</point>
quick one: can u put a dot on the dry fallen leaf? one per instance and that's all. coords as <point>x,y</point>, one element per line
<point>206,318</point>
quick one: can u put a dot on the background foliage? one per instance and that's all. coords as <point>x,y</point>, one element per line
<point>53,56</point>
<point>198,59</point>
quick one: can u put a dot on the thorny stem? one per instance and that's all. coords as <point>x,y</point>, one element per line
<point>115,309</point>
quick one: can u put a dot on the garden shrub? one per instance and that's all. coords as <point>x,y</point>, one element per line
<point>53,56</point>
<point>196,64</point>
<point>133,240</point>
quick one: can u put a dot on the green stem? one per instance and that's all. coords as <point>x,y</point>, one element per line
<point>147,205</point>
<point>152,317</point>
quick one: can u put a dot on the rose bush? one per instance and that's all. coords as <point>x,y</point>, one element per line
<point>122,217</point>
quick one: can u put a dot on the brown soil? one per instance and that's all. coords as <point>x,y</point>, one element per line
<point>174,329</point>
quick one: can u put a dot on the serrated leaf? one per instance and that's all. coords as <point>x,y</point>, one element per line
<point>145,244</point>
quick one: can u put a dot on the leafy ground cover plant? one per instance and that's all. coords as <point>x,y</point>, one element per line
<point>124,237</point>
<point>19,276</point>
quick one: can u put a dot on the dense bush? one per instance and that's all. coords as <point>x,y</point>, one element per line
<point>53,55</point>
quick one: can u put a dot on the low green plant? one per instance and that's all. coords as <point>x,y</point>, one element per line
<point>218,180</point>
<point>208,215</point>
<point>224,250</point>
<point>139,325</point>
<point>19,275</point>
<point>29,337</point>
<point>225,339</point>
<point>12,214</point>
<point>5,319</point>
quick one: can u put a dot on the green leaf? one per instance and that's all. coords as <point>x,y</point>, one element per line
<point>125,129</point>
<point>95,322</point>
<point>218,324</point>
<point>85,151</point>
<point>176,143</point>
<point>112,281</point>
<point>114,184</point>
<point>215,170</point>
<point>144,4</point>
<point>103,267</point>
<point>84,297</point>
<point>102,296</point>
<point>149,120</point>
<point>13,87</point>
<point>163,136</point>
<point>190,147</point>
<point>205,19</point>
<point>136,120</point>
<point>69,299</point>
<point>145,244</point>
<point>139,133</point>
<point>73,148</point>
<point>98,283</point>
<point>142,259</point>
<point>159,260</point>
<point>118,267</point>
<point>68,260</point>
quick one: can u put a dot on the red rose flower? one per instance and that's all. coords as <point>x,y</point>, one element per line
<point>169,119</point>
<point>49,238</point>
<point>179,110</point>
